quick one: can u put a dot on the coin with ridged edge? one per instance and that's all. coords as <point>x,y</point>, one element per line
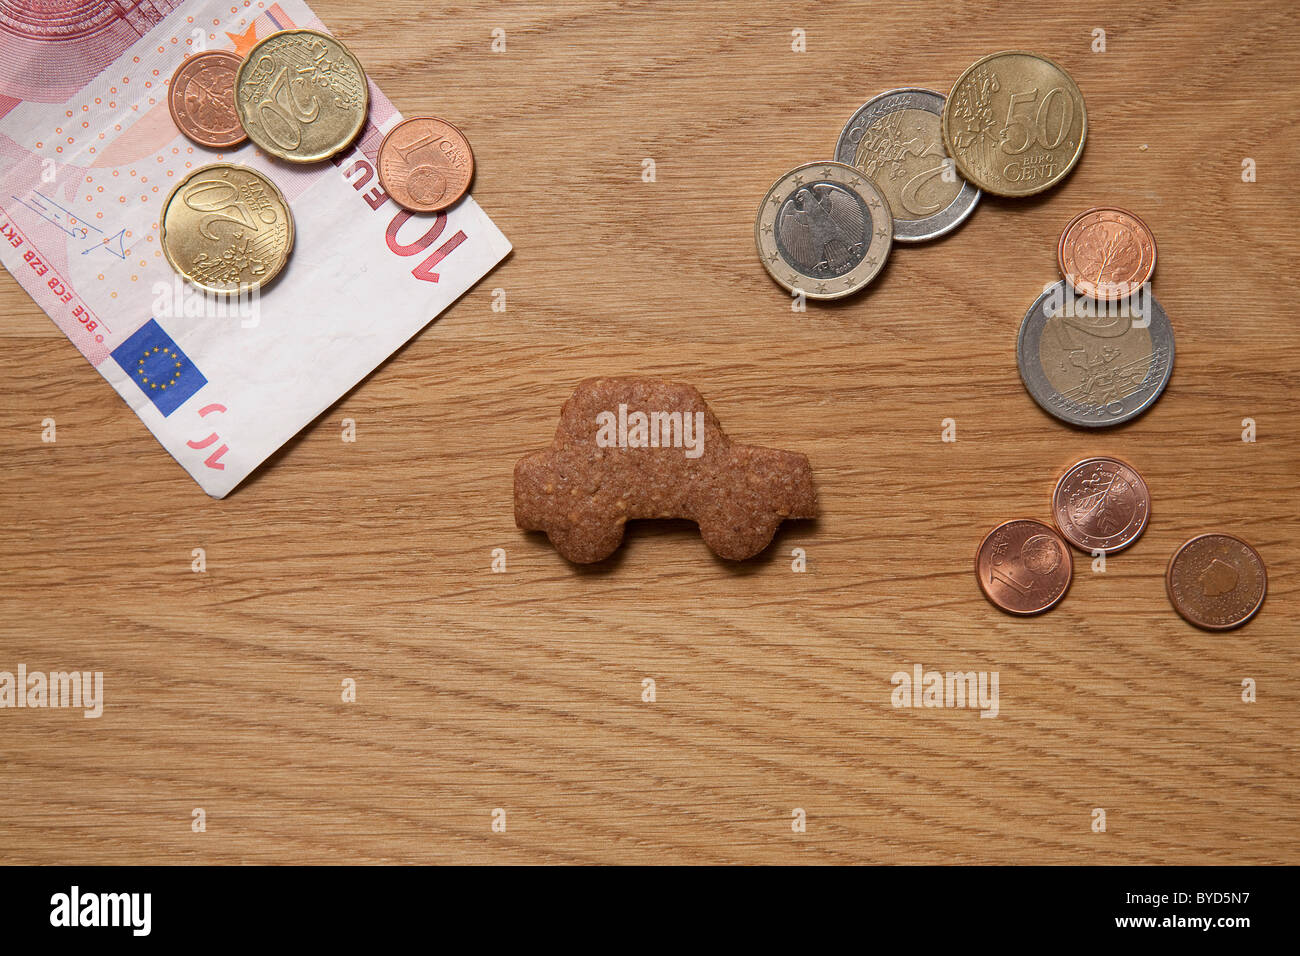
<point>1015,123</point>
<point>823,229</point>
<point>1095,364</point>
<point>227,229</point>
<point>301,95</point>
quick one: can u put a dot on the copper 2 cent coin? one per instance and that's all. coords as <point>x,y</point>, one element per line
<point>425,164</point>
<point>1106,253</point>
<point>202,99</point>
<point>1216,581</point>
<point>1023,566</point>
<point>1101,504</point>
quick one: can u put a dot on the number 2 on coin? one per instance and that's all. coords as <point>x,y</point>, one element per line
<point>281,104</point>
<point>215,196</point>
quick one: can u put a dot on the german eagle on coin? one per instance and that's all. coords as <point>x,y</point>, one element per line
<point>824,229</point>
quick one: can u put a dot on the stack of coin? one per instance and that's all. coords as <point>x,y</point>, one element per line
<point>909,166</point>
<point>1101,505</point>
<point>1097,348</point>
<point>302,97</point>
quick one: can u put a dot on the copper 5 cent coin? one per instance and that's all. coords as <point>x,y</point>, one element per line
<point>1023,566</point>
<point>202,99</point>
<point>1216,581</point>
<point>1106,253</point>
<point>1101,504</point>
<point>425,164</point>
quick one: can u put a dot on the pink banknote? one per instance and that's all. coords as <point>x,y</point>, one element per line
<point>88,154</point>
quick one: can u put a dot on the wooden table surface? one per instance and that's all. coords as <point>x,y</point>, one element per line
<point>523,691</point>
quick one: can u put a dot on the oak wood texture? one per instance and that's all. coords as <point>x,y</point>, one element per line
<point>523,690</point>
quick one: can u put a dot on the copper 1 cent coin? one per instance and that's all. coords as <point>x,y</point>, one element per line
<point>1106,253</point>
<point>1101,504</point>
<point>1216,581</point>
<point>425,164</point>
<point>1023,566</point>
<point>202,99</point>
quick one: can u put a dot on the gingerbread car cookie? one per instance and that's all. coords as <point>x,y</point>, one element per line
<point>646,448</point>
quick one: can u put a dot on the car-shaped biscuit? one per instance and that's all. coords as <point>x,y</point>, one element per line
<point>632,448</point>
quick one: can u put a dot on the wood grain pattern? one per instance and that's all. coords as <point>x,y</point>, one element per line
<point>523,690</point>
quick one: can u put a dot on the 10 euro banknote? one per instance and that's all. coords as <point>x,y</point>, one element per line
<point>89,154</point>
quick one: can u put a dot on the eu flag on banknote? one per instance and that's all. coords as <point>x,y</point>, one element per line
<point>159,367</point>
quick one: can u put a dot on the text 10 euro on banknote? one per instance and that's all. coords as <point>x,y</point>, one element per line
<point>89,153</point>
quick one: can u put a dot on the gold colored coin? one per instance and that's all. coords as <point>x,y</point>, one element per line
<point>227,229</point>
<point>1014,123</point>
<point>301,95</point>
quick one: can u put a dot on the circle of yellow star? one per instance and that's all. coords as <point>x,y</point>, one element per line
<point>166,350</point>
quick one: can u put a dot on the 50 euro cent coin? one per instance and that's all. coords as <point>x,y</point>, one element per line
<point>1015,123</point>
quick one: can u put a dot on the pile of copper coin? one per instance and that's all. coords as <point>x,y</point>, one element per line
<point>1100,506</point>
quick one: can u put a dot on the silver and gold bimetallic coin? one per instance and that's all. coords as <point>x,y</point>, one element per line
<point>1014,123</point>
<point>896,138</point>
<point>301,95</point>
<point>1093,363</point>
<point>823,229</point>
<point>227,229</point>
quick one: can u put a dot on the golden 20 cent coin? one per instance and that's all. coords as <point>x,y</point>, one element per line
<point>227,229</point>
<point>301,95</point>
<point>1216,581</point>
<point>1014,123</point>
<point>824,229</point>
<point>1024,567</point>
